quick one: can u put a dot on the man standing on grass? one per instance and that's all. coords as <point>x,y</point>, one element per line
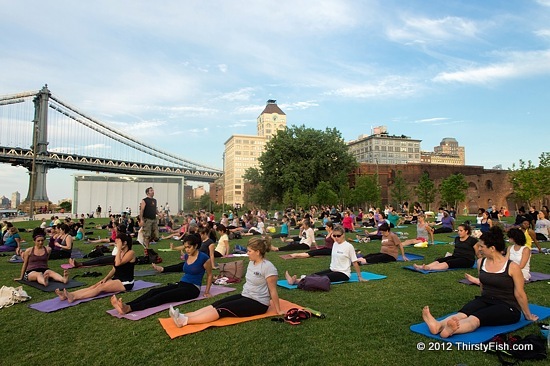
<point>148,214</point>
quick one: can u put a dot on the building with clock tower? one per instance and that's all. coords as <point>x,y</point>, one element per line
<point>242,152</point>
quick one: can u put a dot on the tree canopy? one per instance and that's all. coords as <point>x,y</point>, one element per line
<point>531,182</point>
<point>425,190</point>
<point>298,159</point>
<point>453,189</point>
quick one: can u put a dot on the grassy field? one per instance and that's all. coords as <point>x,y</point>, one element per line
<point>366,323</point>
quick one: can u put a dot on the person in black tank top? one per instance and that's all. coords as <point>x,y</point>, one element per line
<point>120,278</point>
<point>502,299</point>
<point>148,214</point>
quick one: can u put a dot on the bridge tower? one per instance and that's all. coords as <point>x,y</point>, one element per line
<point>37,182</point>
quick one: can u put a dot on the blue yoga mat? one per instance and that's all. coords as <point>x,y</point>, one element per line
<point>410,256</point>
<point>423,271</point>
<point>353,278</point>
<point>483,334</point>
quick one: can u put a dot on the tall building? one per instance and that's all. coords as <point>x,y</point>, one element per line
<point>15,199</point>
<point>382,148</point>
<point>242,151</point>
<point>448,152</point>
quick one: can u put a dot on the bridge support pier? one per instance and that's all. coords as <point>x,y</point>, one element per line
<point>37,180</point>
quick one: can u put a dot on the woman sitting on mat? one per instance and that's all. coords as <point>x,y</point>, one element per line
<point>342,258</point>
<point>502,299</point>
<point>423,232</point>
<point>464,256</point>
<point>259,288</point>
<point>120,278</point>
<point>326,250</point>
<point>388,250</point>
<point>517,253</point>
<point>447,224</point>
<point>35,262</point>
<point>194,266</point>
<point>63,245</point>
<point>305,241</point>
<point>222,249</point>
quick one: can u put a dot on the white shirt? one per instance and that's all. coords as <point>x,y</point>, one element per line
<point>515,256</point>
<point>342,256</point>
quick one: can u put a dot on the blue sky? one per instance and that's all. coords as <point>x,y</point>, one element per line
<point>186,75</point>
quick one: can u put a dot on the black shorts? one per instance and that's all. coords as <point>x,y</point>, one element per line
<point>491,311</point>
<point>238,306</point>
<point>456,262</point>
<point>26,275</point>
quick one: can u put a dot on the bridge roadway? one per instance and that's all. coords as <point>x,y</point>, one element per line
<point>23,157</point>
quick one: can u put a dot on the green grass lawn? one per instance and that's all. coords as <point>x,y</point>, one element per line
<point>366,323</point>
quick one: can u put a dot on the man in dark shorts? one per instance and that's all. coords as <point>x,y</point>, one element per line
<point>148,214</point>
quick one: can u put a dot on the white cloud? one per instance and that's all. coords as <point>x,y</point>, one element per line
<point>517,65</point>
<point>241,95</point>
<point>223,68</point>
<point>543,2</point>
<point>424,30</point>
<point>431,120</point>
<point>393,86</point>
<point>299,105</point>
<point>543,33</point>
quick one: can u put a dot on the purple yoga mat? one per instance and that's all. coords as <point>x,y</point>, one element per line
<point>535,276</point>
<point>138,315</point>
<point>55,304</point>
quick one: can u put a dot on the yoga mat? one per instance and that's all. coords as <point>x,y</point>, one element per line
<point>68,266</point>
<point>535,276</point>
<point>173,331</point>
<point>424,271</point>
<point>138,315</point>
<point>483,334</point>
<point>410,256</point>
<point>147,272</point>
<point>165,250</point>
<point>52,285</point>
<point>438,242</point>
<point>235,255</point>
<point>353,278</point>
<point>55,304</point>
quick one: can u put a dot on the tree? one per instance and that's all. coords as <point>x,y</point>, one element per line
<point>399,190</point>
<point>299,158</point>
<point>531,183</point>
<point>66,206</point>
<point>425,190</point>
<point>366,191</point>
<point>325,195</point>
<point>453,189</point>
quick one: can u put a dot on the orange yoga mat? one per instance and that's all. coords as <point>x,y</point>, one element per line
<point>174,331</point>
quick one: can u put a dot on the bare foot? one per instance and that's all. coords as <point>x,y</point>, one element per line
<point>450,328</point>
<point>60,294</point>
<point>274,249</point>
<point>290,279</point>
<point>68,295</point>
<point>361,261</point>
<point>46,279</point>
<point>72,262</point>
<point>65,276</point>
<point>434,326</point>
<point>419,267</point>
<point>119,305</point>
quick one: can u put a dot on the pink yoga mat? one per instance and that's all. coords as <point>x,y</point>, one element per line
<point>55,304</point>
<point>138,315</point>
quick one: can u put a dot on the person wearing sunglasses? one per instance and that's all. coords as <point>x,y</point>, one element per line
<point>342,258</point>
